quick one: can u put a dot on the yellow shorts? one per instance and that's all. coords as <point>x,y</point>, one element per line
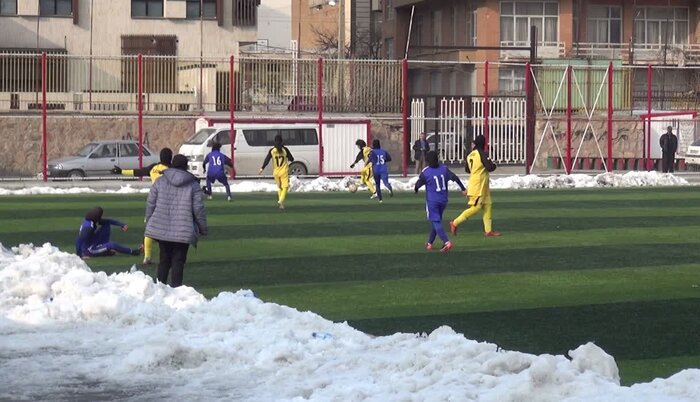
<point>479,200</point>
<point>282,180</point>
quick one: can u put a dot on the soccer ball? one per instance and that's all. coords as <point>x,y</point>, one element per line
<point>352,187</point>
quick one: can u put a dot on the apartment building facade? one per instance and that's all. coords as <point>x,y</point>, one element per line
<point>183,28</point>
<point>627,32</point>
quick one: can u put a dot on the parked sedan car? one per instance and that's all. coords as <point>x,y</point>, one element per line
<point>99,157</point>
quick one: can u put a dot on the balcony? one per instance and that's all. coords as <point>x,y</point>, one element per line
<point>545,50</point>
<point>675,54</point>
<point>604,51</point>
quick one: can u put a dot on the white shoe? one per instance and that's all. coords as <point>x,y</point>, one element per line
<point>146,261</point>
<point>209,197</point>
<point>229,199</point>
<point>373,196</point>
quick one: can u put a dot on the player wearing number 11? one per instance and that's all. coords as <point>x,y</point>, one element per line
<point>435,178</point>
<point>280,157</point>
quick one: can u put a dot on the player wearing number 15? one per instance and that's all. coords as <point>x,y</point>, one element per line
<point>217,169</point>
<point>379,159</point>
<point>435,178</point>
<point>478,165</point>
<point>280,157</point>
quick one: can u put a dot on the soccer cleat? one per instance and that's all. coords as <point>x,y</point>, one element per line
<point>492,234</point>
<point>209,197</point>
<point>373,196</point>
<point>147,261</point>
<point>280,205</point>
<point>229,198</point>
<point>428,246</point>
<point>446,247</point>
<point>391,193</point>
<point>453,228</point>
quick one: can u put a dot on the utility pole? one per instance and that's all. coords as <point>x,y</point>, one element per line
<point>341,29</point>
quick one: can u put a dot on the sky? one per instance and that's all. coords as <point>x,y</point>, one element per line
<point>67,333</point>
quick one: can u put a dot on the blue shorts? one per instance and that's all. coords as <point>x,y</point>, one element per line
<point>434,210</point>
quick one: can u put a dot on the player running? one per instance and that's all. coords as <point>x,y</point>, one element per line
<point>217,162</point>
<point>379,159</point>
<point>366,172</point>
<point>154,171</point>
<point>435,178</point>
<point>281,157</point>
<point>478,165</point>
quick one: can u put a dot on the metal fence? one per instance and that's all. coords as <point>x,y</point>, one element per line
<point>175,84</point>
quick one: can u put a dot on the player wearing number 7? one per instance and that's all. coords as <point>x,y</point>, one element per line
<point>217,172</point>
<point>435,178</point>
<point>280,157</point>
<point>478,165</point>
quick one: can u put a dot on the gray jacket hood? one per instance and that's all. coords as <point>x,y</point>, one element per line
<point>179,178</point>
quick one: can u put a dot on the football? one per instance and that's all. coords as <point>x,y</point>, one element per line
<point>352,187</point>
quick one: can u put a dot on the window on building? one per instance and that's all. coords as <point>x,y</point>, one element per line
<point>417,31</point>
<point>471,23</point>
<point>193,9</point>
<point>389,11</point>
<point>455,25</point>
<point>245,12</point>
<point>518,17</point>
<point>435,23</point>
<point>147,8</point>
<point>55,7</point>
<point>604,24</point>
<point>574,17</point>
<point>389,48</point>
<point>511,80</point>
<point>8,7</point>
<point>661,25</point>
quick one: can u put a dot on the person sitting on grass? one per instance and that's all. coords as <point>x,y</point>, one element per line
<point>94,237</point>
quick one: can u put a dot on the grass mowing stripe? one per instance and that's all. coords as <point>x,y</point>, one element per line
<point>643,370</point>
<point>483,292</point>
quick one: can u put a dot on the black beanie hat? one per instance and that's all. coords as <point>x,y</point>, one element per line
<point>179,162</point>
<point>479,142</point>
<point>215,146</point>
<point>375,144</point>
<point>166,156</point>
<point>432,158</point>
<point>94,214</point>
<point>361,143</point>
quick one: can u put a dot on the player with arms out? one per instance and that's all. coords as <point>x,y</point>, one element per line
<point>478,166</point>
<point>217,162</point>
<point>435,178</point>
<point>154,171</point>
<point>280,157</point>
<point>379,159</point>
<point>94,237</point>
<point>366,172</point>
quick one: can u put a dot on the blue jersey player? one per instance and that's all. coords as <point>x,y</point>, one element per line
<point>94,237</point>
<point>217,162</point>
<point>379,159</point>
<point>435,178</point>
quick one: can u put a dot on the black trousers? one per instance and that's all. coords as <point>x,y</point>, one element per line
<point>172,260</point>
<point>667,161</point>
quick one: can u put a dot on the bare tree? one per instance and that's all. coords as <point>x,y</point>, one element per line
<point>364,45</point>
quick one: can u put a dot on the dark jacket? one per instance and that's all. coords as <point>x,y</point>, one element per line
<point>175,208</point>
<point>417,153</point>
<point>669,143</point>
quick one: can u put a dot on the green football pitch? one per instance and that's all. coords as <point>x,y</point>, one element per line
<point>618,267</point>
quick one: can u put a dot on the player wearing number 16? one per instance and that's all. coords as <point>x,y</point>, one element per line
<point>280,157</point>
<point>435,178</point>
<point>217,169</point>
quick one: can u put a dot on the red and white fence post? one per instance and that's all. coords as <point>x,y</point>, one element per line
<point>44,135</point>
<point>404,116</point>
<point>650,73</point>
<point>569,108</point>
<point>231,104</point>
<point>139,90</point>
<point>319,95</point>
<point>610,118</point>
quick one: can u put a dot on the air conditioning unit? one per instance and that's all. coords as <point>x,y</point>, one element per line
<point>376,5</point>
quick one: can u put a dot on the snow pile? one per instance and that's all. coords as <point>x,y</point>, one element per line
<point>67,333</point>
<point>629,179</point>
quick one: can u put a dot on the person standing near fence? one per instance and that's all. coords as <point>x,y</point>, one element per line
<point>175,217</point>
<point>669,146</point>
<point>420,150</point>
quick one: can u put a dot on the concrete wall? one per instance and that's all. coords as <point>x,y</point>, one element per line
<point>275,23</point>
<point>111,20</point>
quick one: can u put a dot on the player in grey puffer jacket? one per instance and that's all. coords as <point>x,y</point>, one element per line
<point>175,216</point>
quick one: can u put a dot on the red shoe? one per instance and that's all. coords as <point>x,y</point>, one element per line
<point>428,246</point>
<point>492,234</point>
<point>453,228</point>
<point>446,247</point>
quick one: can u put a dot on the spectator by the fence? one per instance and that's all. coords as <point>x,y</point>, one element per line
<point>420,150</point>
<point>669,146</point>
<point>175,217</point>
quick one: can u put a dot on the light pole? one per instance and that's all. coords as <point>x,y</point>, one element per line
<point>341,26</point>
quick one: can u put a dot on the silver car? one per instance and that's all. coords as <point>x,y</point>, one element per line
<point>99,157</point>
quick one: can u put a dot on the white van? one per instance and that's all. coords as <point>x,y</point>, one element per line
<point>251,145</point>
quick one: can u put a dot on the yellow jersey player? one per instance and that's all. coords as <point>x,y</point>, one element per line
<point>154,170</point>
<point>280,157</point>
<point>478,166</point>
<point>366,172</point>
